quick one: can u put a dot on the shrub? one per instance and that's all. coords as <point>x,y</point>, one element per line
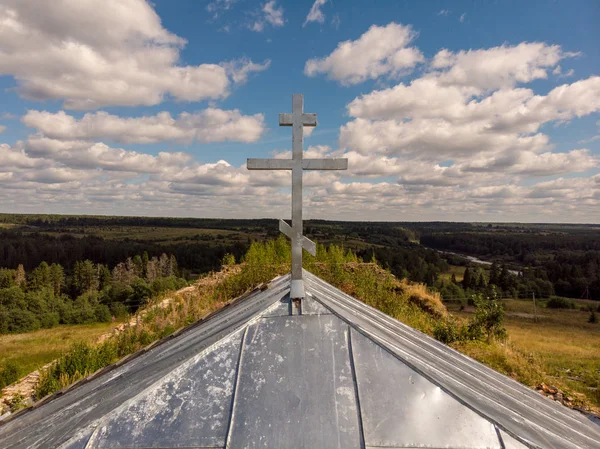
<point>102,313</point>
<point>228,260</point>
<point>556,302</point>
<point>592,318</point>
<point>489,317</point>
<point>119,310</point>
<point>8,374</point>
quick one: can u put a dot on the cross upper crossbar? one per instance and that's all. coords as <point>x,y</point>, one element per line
<point>306,164</point>
<point>298,119</point>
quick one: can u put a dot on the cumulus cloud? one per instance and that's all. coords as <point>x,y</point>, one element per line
<point>497,67</point>
<point>119,54</point>
<point>315,14</point>
<point>468,108</point>
<point>209,125</point>
<point>380,51</point>
<point>86,155</point>
<point>270,14</point>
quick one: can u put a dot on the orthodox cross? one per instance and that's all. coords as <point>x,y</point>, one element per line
<point>297,120</point>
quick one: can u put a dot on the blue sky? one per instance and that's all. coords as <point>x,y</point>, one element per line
<point>463,110</point>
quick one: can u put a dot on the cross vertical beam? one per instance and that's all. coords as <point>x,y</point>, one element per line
<point>298,119</point>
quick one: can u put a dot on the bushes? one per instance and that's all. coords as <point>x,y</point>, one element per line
<point>556,302</point>
<point>487,323</point>
<point>8,374</point>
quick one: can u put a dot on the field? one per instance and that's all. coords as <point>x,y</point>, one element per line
<point>31,350</point>
<point>156,234</point>
<point>562,342</point>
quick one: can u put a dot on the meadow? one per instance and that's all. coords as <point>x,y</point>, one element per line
<point>30,351</point>
<point>561,346</point>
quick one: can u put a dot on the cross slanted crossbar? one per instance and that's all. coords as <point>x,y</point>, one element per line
<point>298,119</point>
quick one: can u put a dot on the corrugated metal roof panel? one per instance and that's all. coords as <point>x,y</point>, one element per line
<point>335,373</point>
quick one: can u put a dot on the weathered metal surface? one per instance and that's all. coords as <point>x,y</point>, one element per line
<point>188,408</point>
<point>298,119</point>
<point>307,244</point>
<point>535,420</point>
<point>308,306</point>
<point>62,418</point>
<point>400,408</point>
<point>510,443</point>
<point>340,375</point>
<point>295,386</point>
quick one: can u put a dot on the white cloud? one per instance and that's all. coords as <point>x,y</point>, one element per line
<point>315,14</point>
<point>462,17</point>
<point>443,12</point>
<point>497,67</point>
<point>217,7</point>
<point>271,14</point>
<point>90,57</point>
<point>380,51</point>
<point>2,129</point>
<point>85,155</point>
<point>209,125</point>
<point>240,70</point>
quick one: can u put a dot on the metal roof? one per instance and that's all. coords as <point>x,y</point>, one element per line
<point>339,375</point>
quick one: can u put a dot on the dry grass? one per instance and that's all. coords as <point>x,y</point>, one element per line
<point>560,349</point>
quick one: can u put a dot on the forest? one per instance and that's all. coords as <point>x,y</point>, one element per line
<point>43,259</point>
<point>90,292</point>
<point>568,261</point>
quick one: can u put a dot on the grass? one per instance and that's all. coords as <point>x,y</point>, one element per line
<point>457,271</point>
<point>32,350</point>
<point>560,349</point>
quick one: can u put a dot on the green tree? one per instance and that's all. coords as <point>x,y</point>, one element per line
<point>57,278</point>
<point>40,277</point>
<point>467,279</point>
<point>489,317</point>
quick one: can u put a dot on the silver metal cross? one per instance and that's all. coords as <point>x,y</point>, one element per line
<point>298,120</point>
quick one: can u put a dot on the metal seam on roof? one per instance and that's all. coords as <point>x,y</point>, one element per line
<point>355,381</point>
<point>235,389</point>
<point>388,345</point>
<point>520,417</point>
<point>41,423</point>
<point>359,313</point>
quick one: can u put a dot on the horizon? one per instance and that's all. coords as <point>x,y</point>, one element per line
<point>452,112</point>
<point>309,219</point>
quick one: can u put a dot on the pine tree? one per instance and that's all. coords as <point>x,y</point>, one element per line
<point>104,277</point>
<point>467,279</point>
<point>173,268</point>
<point>57,278</point>
<point>40,276</point>
<point>494,274</point>
<point>454,279</point>
<point>145,260</point>
<point>20,277</point>
<point>481,281</point>
<point>138,266</point>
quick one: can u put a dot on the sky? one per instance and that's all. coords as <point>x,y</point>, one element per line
<point>446,110</point>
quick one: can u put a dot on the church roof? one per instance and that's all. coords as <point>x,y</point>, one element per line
<point>339,375</point>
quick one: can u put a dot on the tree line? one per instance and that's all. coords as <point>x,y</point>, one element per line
<point>31,249</point>
<point>91,292</point>
<point>552,263</point>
